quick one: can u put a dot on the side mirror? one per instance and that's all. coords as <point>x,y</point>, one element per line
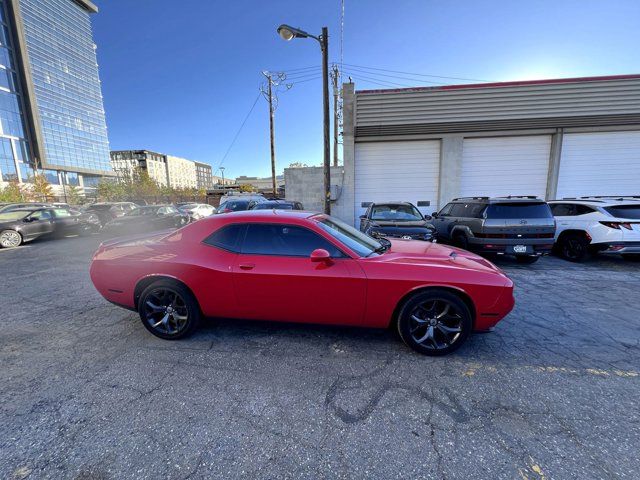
<point>362,217</point>
<point>320,255</point>
<point>434,214</point>
<point>29,219</point>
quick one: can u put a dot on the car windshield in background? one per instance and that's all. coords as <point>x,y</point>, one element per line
<point>625,211</point>
<point>237,206</point>
<point>357,241</point>
<point>14,215</point>
<point>273,206</point>
<point>396,213</point>
<point>518,210</point>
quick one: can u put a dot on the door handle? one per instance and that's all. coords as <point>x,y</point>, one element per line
<point>247,266</point>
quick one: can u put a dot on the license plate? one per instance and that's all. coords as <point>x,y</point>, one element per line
<point>520,248</point>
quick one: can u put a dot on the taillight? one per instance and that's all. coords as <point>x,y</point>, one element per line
<point>618,225</point>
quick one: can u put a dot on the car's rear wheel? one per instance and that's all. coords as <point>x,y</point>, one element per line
<point>527,259</point>
<point>573,247</point>
<point>434,322</point>
<point>10,239</point>
<point>460,240</point>
<point>169,310</point>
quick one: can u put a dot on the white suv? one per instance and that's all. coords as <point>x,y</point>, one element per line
<point>609,225</point>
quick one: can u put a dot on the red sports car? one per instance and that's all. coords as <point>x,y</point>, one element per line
<point>302,267</point>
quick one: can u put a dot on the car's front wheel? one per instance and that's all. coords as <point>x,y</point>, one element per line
<point>10,239</point>
<point>169,310</point>
<point>434,322</point>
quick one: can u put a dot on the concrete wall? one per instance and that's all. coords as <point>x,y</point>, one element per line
<point>306,185</point>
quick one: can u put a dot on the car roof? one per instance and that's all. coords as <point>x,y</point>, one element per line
<point>599,201</point>
<point>267,215</point>
<point>375,204</point>
<point>490,200</point>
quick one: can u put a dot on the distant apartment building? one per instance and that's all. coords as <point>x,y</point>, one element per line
<point>204,178</point>
<point>51,110</point>
<point>165,170</point>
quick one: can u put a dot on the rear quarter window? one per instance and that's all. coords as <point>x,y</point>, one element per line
<point>228,238</point>
<point>625,211</point>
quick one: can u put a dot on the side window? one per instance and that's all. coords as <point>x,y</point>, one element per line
<point>284,240</point>
<point>583,209</point>
<point>446,210</point>
<point>475,210</point>
<point>61,213</point>
<point>227,238</point>
<point>459,210</point>
<point>562,210</point>
<point>41,215</point>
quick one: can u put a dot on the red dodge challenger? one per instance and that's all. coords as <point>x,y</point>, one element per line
<point>302,267</point>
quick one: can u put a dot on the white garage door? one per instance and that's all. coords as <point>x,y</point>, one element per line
<point>605,163</point>
<point>502,166</point>
<point>391,171</point>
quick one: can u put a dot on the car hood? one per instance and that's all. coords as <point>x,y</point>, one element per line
<point>426,253</point>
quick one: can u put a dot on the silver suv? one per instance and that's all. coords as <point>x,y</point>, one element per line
<point>519,226</point>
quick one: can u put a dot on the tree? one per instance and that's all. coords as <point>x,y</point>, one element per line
<point>298,165</point>
<point>247,187</point>
<point>11,193</point>
<point>109,190</point>
<point>74,195</point>
<point>41,188</point>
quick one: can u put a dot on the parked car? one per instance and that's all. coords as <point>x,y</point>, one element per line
<point>256,197</point>
<point>25,224</point>
<point>522,226</point>
<point>147,219</point>
<point>396,220</point>
<point>107,211</point>
<point>608,225</point>
<point>302,267</point>
<point>15,206</point>
<point>196,210</point>
<point>237,205</point>
<point>277,205</point>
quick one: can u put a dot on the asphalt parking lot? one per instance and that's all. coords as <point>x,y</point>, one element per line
<point>87,393</point>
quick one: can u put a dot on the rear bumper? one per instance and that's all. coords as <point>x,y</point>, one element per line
<point>502,247</point>
<point>618,248</point>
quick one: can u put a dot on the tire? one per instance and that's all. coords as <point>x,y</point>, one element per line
<point>10,239</point>
<point>573,247</point>
<point>631,257</point>
<point>426,334</point>
<point>162,306</point>
<point>526,259</point>
<point>460,240</point>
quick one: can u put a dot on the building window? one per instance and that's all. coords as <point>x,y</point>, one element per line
<point>26,172</point>
<point>7,164</point>
<point>90,181</point>
<point>51,176</point>
<point>71,178</point>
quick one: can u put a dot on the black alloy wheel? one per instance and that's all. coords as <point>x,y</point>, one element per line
<point>460,240</point>
<point>169,310</point>
<point>573,247</point>
<point>434,322</point>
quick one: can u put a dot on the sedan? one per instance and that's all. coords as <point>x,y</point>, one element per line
<point>147,219</point>
<point>26,224</point>
<point>197,210</point>
<point>277,205</point>
<point>303,267</point>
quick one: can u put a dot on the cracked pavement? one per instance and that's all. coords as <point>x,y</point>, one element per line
<point>87,393</point>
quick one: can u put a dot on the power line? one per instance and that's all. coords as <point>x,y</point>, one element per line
<point>376,80</point>
<point>416,74</point>
<point>295,82</point>
<point>291,70</point>
<point>238,132</point>
<point>394,76</point>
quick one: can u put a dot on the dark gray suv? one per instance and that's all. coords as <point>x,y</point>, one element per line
<point>519,226</point>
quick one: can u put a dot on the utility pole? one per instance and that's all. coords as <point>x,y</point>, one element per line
<point>271,95</point>
<point>335,75</point>
<point>324,43</point>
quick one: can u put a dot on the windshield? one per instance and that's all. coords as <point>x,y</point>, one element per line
<point>352,238</point>
<point>625,211</point>
<point>236,206</point>
<point>396,213</point>
<point>14,215</point>
<point>518,210</point>
<point>272,206</point>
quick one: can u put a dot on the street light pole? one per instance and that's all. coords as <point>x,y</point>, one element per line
<point>287,33</point>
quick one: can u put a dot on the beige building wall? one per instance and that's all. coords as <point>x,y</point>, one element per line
<point>182,172</point>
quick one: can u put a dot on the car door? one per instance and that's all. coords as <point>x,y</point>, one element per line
<point>38,223</point>
<point>275,279</point>
<point>64,221</point>
<point>565,215</point>
<point>441,221</point>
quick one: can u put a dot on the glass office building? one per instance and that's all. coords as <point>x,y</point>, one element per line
<point>51,109</point>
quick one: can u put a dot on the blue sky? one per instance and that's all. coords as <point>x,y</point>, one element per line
<point>180,77</point>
